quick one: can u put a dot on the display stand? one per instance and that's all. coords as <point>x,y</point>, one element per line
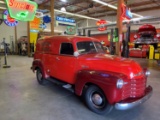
<point>5,55</point>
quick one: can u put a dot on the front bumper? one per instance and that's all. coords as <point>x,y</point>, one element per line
<point>125,105</point>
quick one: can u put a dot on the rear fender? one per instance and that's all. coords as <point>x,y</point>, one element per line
<point>38,64</point>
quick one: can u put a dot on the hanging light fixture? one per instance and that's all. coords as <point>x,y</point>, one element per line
<point>63,9</point>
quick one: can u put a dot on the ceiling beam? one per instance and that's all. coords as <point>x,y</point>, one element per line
<point>70,4</point>
<point>97,16</point>
<point>81,9</point>
<point>100,11</point>
<point>139,10</point>
<point>147,9</point>
<point>96,5</point>
<point>139,4</point>
<point>130,5</point>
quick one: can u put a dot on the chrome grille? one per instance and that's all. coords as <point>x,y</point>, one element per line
<point>135,88</point>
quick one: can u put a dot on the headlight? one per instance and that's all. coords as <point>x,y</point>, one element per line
<point>120,83</point>
<point>147,73</point>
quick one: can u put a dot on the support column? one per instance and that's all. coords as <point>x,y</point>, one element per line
<point>52,16</point>
<point>28,31</point>
<point>16,45</point>
<point>119,26</point>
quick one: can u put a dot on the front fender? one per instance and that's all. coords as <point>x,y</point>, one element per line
<point>105,80</point>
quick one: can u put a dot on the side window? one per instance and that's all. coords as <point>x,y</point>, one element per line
<point>67,49</point>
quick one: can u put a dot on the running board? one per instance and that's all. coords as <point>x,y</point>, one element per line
<point>62,84</point>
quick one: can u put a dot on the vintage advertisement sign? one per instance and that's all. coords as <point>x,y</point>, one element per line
<point>71,30</point>
<point>23,10</point>
<point>101,25</point>
<point>8,20</point>
<point>126,12</point>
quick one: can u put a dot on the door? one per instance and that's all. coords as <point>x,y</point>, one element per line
<point>66,63</point>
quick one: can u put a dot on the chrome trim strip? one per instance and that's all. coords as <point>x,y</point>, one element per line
<point>126,106</point>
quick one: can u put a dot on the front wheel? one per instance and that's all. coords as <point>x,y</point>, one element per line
<point>96,100</point>
<point>39,75</point>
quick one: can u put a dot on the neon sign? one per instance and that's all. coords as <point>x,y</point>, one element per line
<point>8,20</point>
<point>126,13</point>
<point>23,10</point>
<point>21,5</point>
<point>101,24</point>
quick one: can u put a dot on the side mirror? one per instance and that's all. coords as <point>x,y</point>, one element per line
<point>76,53</point>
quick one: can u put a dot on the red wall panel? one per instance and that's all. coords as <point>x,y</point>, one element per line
<point>107,42</point>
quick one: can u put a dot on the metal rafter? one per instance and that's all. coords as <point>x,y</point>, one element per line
<point>157,3</point>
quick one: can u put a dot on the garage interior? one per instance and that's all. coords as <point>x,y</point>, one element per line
<point>22,98</point>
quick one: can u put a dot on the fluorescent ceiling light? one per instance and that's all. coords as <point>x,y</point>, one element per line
<point>64,0</point>
<point>112,6</point>
<point>2,2</point>
<point>106,4</point>
<point>3,8</point>
<point>77,15</point>
<point>63,9</point>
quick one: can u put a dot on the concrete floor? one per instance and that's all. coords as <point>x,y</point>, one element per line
<point>22,98</point>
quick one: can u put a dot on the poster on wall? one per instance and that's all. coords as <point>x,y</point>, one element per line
<point>8,20</point>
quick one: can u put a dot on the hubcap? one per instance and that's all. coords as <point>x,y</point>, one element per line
<point>97,99</point>
<point>39,76</point>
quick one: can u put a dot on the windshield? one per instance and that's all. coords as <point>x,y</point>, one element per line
<point>89,47</point>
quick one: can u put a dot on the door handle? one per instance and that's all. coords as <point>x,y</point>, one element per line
<point>57,58</point>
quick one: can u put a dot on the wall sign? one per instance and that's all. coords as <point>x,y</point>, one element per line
<point>39,14</point>
<point>46,19</point>
<point>23,10</point>
<point>63,19</point>
<point>71,30</point>
<point>8,20</point>
<point>35,23</point>
<point>101,24</point>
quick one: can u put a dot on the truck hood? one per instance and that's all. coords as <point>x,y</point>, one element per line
<point>110,63</point>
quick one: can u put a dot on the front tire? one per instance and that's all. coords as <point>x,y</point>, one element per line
<point>96,100</point>
<point>39,76</point>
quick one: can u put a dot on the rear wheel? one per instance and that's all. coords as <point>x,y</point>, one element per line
<point>40,77</point>
<point>96,100</point>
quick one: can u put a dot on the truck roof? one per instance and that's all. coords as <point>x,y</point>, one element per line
<point>53,43</point>
<point>69,38</point>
